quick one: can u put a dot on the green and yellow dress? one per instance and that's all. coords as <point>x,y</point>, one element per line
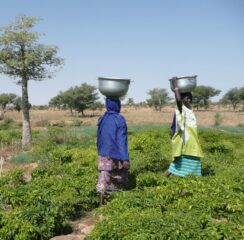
<point>186,150</point>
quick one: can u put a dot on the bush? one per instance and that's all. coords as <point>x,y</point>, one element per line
<point>26,157</point>
<point>217,119</point>
<point>181,208</point>
<point>209,207</point>
<point>8,136</point>
<point>59,191</point>
<point>149,152</point>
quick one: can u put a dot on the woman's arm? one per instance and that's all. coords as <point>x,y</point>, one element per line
<point>122,139</point>
<point>177,94</point>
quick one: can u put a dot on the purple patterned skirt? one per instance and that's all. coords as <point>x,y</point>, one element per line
<point>111,175</point>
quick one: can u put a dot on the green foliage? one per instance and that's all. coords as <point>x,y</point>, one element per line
<point>217,119</point>
<point>189,208</point>
<point>208,207</point>
<point>59,191</point>
<point>8,99</point>
<point>17,38</point>
<point>130,101</point>
<point>7,136</point>
<point>26,157</point>
<point>7,123</point>
<point>202,96</point>
<point>156,207</point>
<point>158,98</point>
<point>233,97</point>
<point>242,94</point>
<point>147,151</point>
<point>23,59</point>
<point>78,98</point>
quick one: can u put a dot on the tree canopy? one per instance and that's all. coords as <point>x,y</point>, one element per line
<point>158,98</point>
<point>233,97</point>
<point>7,99</point>
<point>202,95</point>
<point>77,98</point>
<point>21,56</point>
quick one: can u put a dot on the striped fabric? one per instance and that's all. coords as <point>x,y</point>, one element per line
<point>185,165</point>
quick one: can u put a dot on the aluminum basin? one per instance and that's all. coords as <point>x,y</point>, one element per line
<point>113,87</point>
<point>185,84</point>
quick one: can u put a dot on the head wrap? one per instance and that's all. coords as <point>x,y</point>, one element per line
<point>113,105</point>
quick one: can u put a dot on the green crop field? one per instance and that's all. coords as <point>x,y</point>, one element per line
<point>63,188</point>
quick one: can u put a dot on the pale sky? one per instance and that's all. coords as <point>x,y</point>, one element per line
<point>148,41</point>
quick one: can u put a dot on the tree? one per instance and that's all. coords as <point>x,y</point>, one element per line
<point>78,98</point>
<point>233,97</point>
<point>242,94</point>
<point>7,99</point>
<point>202,95</point>
<point>58,101</point>
<point>22,58</point>
<point>130,101</point>
<point>64,100</point>
<point>84,95</point>
<point>159,97</point>
<point>97,105</point>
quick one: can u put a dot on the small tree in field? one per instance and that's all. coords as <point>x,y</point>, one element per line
<point>158,98</point>
<point>77,98</point>
<point>233,97</point>
<point>23,59</point>
<point>202,95</point>
<point>130,101</point>
<point>242,95</point>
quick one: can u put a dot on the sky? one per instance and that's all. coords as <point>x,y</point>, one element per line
<point>147,41</point>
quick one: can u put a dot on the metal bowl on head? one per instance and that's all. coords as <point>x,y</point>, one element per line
<point>185,84</point>
<point>113,87</point>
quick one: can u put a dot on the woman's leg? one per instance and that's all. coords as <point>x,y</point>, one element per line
<point>167,174</point>
<point>102,199</point>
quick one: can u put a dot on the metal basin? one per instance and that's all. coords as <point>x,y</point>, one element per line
<point>185,84</point>
<point>113,87</point>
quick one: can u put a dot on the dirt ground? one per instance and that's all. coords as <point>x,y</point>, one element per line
<point>134,116</point>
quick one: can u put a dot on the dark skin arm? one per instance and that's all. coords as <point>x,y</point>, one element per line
<point>177,94</point>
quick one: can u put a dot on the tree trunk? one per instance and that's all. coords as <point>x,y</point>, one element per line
<point>26,128</point>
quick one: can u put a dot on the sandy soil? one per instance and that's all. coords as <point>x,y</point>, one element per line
<point>134,116</point>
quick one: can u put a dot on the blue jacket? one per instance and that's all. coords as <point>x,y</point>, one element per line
<point>112,132</point>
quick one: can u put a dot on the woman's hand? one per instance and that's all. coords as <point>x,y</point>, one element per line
<point>177,93</point>
<point>174,82</point>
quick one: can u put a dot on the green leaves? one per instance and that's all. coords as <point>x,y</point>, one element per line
<point>59,191</point>
<point>180,208</point>
<point>208,207</point>
<point>158,98</point>
<point>77,98</point>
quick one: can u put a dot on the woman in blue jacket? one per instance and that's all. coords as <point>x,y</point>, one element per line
<point>112,146</point>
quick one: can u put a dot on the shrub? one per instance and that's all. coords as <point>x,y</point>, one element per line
<point>149,152</point>
<point>217,119</point>
<point>59,191</point>
<point>26,157</point>
<point>8,136</point>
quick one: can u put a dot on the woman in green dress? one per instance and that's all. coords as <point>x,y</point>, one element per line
<point>186,150</point>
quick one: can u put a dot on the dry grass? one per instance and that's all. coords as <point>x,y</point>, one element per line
<point>139,116</point>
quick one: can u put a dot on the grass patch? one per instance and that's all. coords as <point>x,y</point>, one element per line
<point>26,157</point>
